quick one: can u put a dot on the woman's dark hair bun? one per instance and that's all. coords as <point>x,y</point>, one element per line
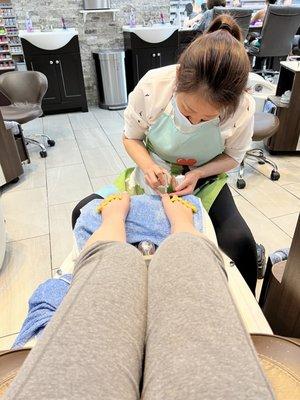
<point>227,23</point>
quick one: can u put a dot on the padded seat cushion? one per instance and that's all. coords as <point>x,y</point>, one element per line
<point>265,125</point>
<point>21,113</point>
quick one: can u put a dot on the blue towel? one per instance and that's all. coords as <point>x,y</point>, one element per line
<point>146,220</point>
<point>42,305</point>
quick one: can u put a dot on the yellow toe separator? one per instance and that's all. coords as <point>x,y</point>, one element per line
<point>108,200</point>
<point>186,203</point>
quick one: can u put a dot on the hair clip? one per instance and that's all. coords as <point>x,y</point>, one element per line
<point>226,27</point>
<point>108,200</point>
<point>186,203</point>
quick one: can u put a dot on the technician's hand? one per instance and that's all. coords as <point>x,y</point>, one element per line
<point>189,184</point>
<point>156,176</point>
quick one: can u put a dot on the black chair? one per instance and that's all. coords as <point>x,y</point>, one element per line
<point>276,39</point>
<point>241,15</point>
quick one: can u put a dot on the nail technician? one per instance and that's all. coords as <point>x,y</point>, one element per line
<point>196,119</point>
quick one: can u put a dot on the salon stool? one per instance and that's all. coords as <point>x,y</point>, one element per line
<point>265,125</point>
<point>25,91</point>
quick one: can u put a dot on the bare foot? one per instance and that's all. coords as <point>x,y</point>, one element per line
<point>180,216</point>
<point>113,221</point>
<point>117,209</point>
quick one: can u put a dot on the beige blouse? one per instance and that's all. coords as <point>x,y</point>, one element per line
<point>154,91</point>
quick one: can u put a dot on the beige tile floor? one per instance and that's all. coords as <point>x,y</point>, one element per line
<point>87,155</point>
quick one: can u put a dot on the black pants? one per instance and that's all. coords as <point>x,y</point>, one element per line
<point>233,234</point>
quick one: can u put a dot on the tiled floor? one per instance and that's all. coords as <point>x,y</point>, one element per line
<point>88,154</point>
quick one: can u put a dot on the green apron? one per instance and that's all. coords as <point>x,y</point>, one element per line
<point>172,149</point>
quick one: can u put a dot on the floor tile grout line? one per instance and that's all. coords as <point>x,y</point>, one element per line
<point>73,138</point>
<point>290,184</point>
<point>67,165</point>
<point>108,137</point>
<point>275,182</point>
<point>85,167</point>
<point>241,194</point>
<point>106,146</point>
<point>64,203</point>
<point>282,187</point>
<point>59,126</point>
<point>23,189</point>
<point>268,178</point>
<point>87,127</point>
<point>120,159</point>
<point>12,189</point>
<point>10,334</point>
<point>272,222</point>
<point>290,192</point>
<point>286,215</point>
<point>49,226</point>
<point>278,226</point>
<point>111,144</point>
<point>28,238</point>
<point>94,111</point>
<point>74,201</point>
<point>277,216</point>
<point>270,218</point>
<point>80,150</point>
<point>103,129</point>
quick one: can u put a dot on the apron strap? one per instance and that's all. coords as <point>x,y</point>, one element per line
<point>169,109</point>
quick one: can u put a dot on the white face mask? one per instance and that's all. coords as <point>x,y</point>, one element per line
<point>182,122</point>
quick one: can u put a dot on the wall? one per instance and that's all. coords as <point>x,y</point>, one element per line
<point>99,32</point>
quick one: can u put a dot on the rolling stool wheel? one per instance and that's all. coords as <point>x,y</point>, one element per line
<point>275,175</point>
<point>241,183</point>
<point>43,154</point>
<point>51,142</point>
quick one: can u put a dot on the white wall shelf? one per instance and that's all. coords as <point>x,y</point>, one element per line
<point>108,10</point>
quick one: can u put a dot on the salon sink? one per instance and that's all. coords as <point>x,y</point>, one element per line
<point>49,40</point>
<point>156,33</point>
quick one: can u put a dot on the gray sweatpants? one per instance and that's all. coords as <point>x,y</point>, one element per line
<point>175,324</point>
